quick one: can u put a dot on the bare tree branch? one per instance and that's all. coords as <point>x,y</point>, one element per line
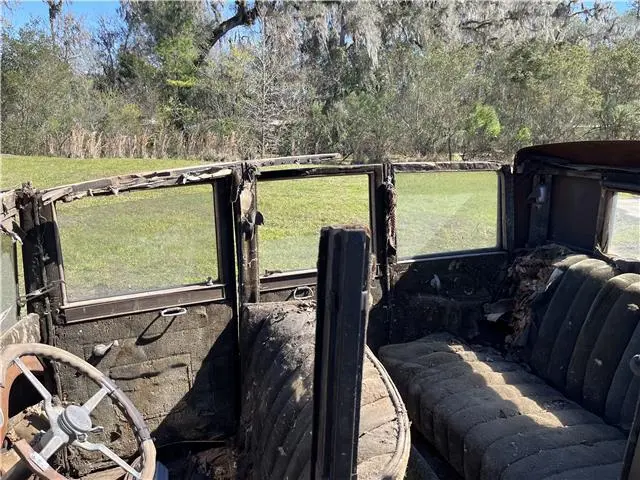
<point>55,8</point>
<point>242,17</point>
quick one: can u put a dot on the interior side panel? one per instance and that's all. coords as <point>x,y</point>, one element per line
<point>444,293</point>
<point>574,211</point>
<point>300,285</point>
<point>179,372</point>
<point>379,315</point>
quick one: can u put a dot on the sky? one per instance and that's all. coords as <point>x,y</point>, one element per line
<point>23,11</point>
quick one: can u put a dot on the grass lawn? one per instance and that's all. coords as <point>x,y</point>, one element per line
<point>446,211</point>
<point>296,210</point>
<point>49,171</point>
<point>156,239</point>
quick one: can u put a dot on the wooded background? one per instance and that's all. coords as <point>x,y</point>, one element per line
<point>372,80</point>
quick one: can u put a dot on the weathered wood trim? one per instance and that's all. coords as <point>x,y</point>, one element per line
<point>287,280</point>
<point>246,221</point>
<point>125,183</point>
<point>8,208</point>
<point>447,166</point>
<point>27,203</point>
<point>169,178</point>
<point>405,263</point>
<point>316,171</point>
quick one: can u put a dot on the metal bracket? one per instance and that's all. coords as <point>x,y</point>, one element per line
<point>540,201</point>
<point>246,218</point>
<point>342,313</point>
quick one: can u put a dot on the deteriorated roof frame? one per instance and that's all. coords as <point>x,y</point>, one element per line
<point>586,155</point>
<point>623,155</point>
<point>168,178</point>
<point>321,163</point>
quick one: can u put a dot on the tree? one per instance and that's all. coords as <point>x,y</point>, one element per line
<point>55,9</point>
<point>110,39</point>
<point>437,93</point>
<point>617,76</point>
<point>634,9</point>
<point>274,96</point>
<point>483,127</point>
<point>547,91</point>
<point>369,79</point>
<point>42,98</point>
<point>157,22</point>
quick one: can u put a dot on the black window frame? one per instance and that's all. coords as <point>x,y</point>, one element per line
<point>501,206</point>
<point>307,276</point>
<point>154,299</point>
<point>607,214</point>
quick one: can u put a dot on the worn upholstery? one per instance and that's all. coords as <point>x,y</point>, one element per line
<point>563,415</point>
<point>275,431</point>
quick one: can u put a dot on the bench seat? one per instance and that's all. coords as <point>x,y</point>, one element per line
<point>490,418</point>
<point>563,413</point>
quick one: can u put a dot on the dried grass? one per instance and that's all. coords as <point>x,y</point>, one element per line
<point>150,143</point>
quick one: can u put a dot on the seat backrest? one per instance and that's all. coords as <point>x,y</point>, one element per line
<point>585,335</point>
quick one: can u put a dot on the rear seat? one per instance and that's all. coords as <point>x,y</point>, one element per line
<point>564,414</point>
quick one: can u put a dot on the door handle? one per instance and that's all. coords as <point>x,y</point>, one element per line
<point>173,312</point>
<point>303,293</point>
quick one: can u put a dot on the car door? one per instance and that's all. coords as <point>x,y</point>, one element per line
<point>136,275</point>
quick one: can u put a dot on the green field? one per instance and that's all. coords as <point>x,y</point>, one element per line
<point>148,240</point>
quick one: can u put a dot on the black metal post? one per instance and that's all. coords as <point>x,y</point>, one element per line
<point>343,290</point>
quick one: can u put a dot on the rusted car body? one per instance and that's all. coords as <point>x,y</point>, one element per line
<point>513,360</point>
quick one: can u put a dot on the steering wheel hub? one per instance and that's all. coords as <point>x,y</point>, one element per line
<point>75,420</point>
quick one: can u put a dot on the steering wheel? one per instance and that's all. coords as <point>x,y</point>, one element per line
<point>71,425</point>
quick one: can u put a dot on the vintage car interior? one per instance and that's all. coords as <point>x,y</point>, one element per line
<point>505,350</point>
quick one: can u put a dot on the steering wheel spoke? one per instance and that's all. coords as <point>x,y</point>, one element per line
<point>52,446</point>
<point>97,397</point>
<point>110,454</point>
<point>37,384</point>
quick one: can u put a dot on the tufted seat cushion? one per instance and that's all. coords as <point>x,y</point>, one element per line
<point>491,419</point>
<point>562,415</point>
<point>277,409</point>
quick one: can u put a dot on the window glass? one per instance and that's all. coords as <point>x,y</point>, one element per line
<point>446,212</point>
<point>295,211</point>
<point>624,233</point>
<point>138,241</point>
